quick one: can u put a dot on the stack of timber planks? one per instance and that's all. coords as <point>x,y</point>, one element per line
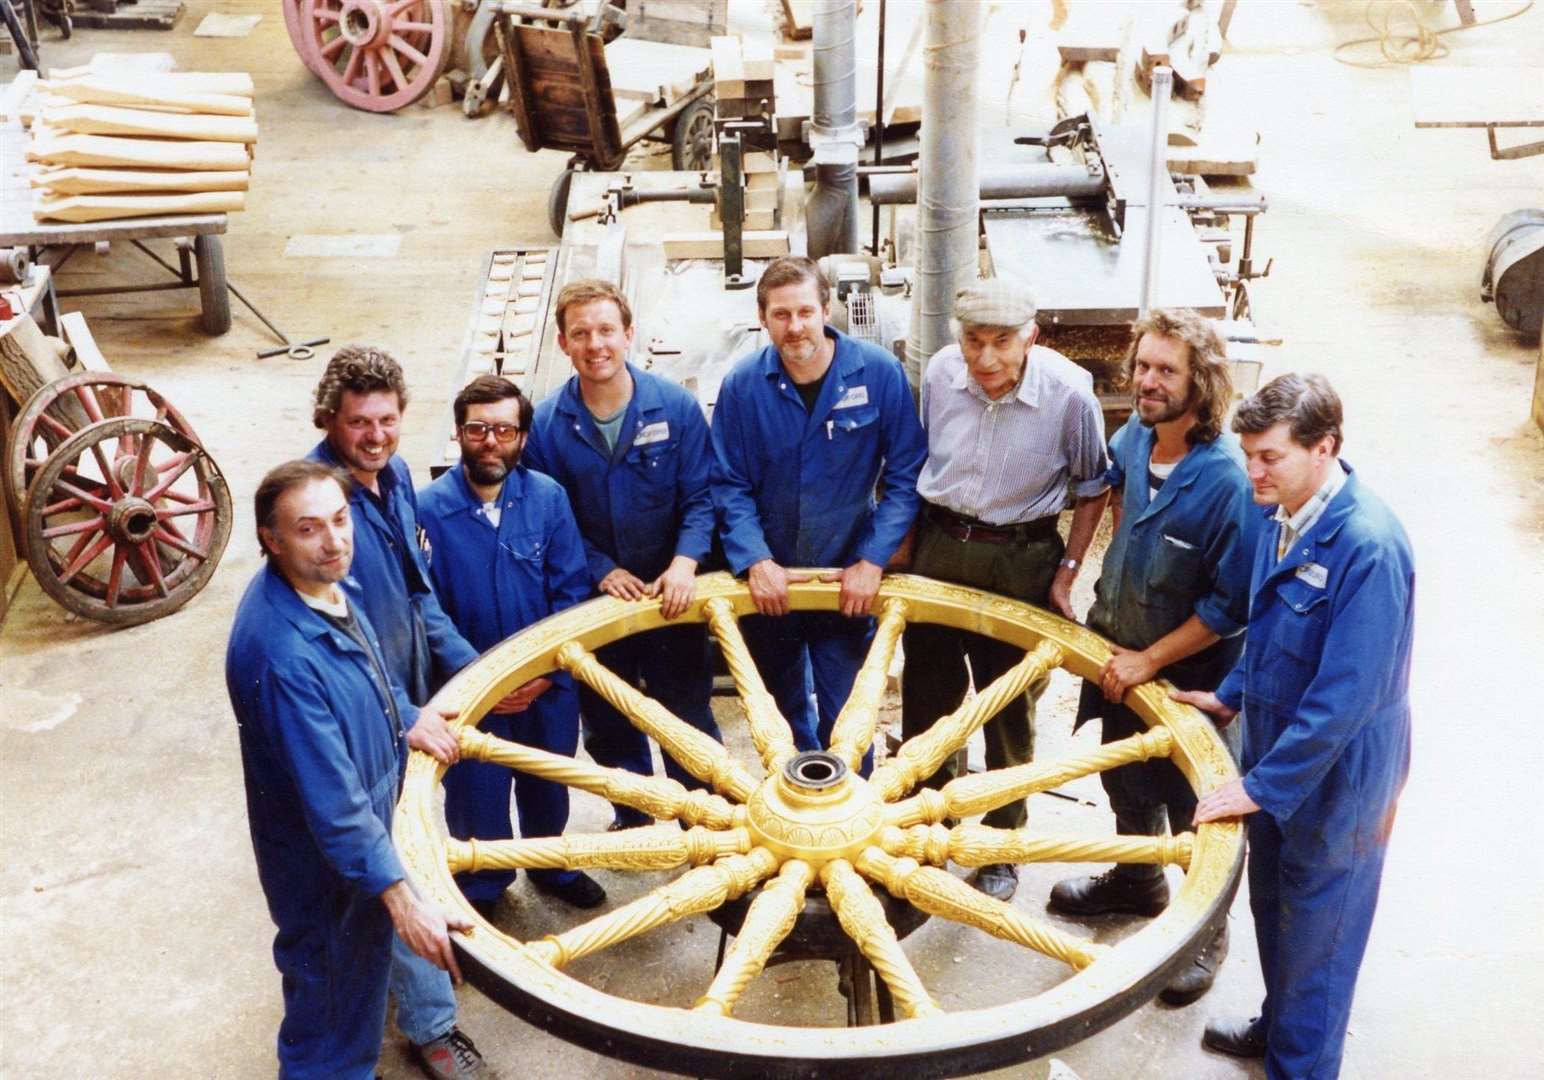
<point>743,79</point>
<point>113,145</point>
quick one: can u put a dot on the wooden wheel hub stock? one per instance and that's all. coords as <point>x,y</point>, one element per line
<point>793,831</point>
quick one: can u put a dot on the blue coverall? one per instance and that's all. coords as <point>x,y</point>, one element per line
<point>1185,552</point>
<point>1324,689</point>
<point>495,582</point>
<point>638,507</point>
<point>798,487</point>
<point>322,751</point>
<point>422,650</point>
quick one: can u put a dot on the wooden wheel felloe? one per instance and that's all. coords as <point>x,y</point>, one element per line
<point>377,55</point>
<point>126,520</point>
<point>780,830</point>
<point>292,26</point>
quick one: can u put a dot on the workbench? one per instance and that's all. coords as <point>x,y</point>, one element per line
<point>200,256</point>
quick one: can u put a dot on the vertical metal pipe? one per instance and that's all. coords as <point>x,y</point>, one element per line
<point>831,217</point>
<point>1163,84</point>
<point>879,113</point>
<point>948,185</point>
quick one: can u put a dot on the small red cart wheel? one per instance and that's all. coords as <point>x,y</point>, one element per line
<point>377,55</point>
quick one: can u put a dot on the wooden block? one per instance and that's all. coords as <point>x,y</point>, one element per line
<point>726,59</point>
<point>153,153</point>
<point>104,91</point>
<point>761,199</point>
<point>790,52</point>
<point>742,108</point>
<point>767,244</point>
<point>755,220</point>
<point>763,180</point>
<point>756,60</point>
<point>759,161</point>
<point>1081,51</point>
<point>1216,158</point>
<point>745,89</point>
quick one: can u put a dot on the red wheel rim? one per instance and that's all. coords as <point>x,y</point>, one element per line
<point>293,25</point>
<point>377,55</point>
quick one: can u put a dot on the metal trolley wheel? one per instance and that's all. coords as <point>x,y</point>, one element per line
<point>810,823</point>
<point>126,520</point>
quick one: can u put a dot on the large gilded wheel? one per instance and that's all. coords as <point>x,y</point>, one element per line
<point>792,825</point>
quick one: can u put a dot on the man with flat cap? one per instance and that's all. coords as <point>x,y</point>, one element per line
<point>1012,428</point>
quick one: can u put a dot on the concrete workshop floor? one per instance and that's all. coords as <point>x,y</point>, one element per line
<point>135,937</point>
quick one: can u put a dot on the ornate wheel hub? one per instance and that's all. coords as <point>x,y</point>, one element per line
<point>360,23</point>
<point>772,836</point>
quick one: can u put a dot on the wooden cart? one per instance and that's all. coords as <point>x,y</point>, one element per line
<point>561,93</point>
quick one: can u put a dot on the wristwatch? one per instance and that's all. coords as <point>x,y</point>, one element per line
<point>1067,564</point>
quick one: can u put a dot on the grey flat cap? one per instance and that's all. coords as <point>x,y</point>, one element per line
<point>996,301</point>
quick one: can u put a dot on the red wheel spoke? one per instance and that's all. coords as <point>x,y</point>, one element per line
<point>351,70</point>
<point>401,5</point>
<point>84,496</point>
<point>86,559</point>
<point>172,528</point>
<point>201,506</point>
<point>394,66</point>
<point>181,545</point>
<point>184,463</point>
<point>333,47</point>
<point>115,578</point>
<point>89,402</point>
<point>74,527</point>
<point>61,506</point>
<point>75,549</point>
<point>403,26</point>
<point>113,487</point>
<point>152,561</point>
<point>373,73</point>
<point>326,16</point>
<point>141,459</point>
<point>407,50</point>
<point>58,427</point>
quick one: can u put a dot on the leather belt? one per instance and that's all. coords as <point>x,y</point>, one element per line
<point>970,530</point>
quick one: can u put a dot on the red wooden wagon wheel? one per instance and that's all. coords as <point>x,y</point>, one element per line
<point>61,408</point>
<point>126,520</point>
<point>377,55</point>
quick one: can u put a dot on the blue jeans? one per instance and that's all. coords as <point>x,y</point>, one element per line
<point>809,660</point>
<point>426,1001</point>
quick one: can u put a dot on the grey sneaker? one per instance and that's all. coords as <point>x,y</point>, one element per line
<point>450,1057</point>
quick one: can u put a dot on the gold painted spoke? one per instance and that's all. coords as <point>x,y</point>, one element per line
<point>657,796</point>
<point>853,732</point>
<point>693,893</point>
<point>982,845</point>
<point>920,756</point>
<point>939,892</point>
<point>658,848</point>
<point>863,917</point>
<point>767,922</point>
<point>769,729</point>
<point>967,796</point>
<point>698,754</point>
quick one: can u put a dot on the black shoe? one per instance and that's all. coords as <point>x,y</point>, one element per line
<point>1241,1038</point>
<point>449,1057</point>
<point>997,880</point>
<point>1108,893</point>
<point>582,892</point>
<point>1196,977</point>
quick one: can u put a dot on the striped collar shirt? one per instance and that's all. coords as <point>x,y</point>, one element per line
<point>1010,461</point>
<point>1295,525</point>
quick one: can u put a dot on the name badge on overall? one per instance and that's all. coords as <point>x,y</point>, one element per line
<point>1313,574</point>
<point>855,396</point>
<point>659,431</point>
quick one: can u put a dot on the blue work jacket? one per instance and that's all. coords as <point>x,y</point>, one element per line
<point>322,749</point>
<point>797,486</point>
<point>1324,679</point>
<point>1185,552</point>
<point>496,582</point>
<point>421,646</point>
<point>648,501</point>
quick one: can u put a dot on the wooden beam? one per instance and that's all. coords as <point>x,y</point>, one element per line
<point>757,243</point>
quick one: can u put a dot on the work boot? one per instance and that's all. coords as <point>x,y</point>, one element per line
<point>582,891</point>
<point>449,1057</point>
<point>1196,977</point>
<point>997,880</point>
<point>1109,893</point>
<point>1230,1035</point>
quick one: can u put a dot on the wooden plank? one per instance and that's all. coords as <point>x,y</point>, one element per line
<point>83,208</point>
<point>99,90</point>
<point>1083,51</point>
<point>1476,97</point>
<point>758,244</point>
<point>16,92</point>
<point>75,181</point>
<point>756,59</point>
<point>87,355</point>
<point>110,120</point>
<point>727,66</point>
<point>109,150</point>
<point>658,72</point>
<point>740,89</point>
<point>1216,158</point>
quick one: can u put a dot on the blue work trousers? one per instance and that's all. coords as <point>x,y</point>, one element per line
<point>671,665</point>
<point>1313,888</point>
<point>477,793</point>
<point>809,660</point>
<point>426,1000</point>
